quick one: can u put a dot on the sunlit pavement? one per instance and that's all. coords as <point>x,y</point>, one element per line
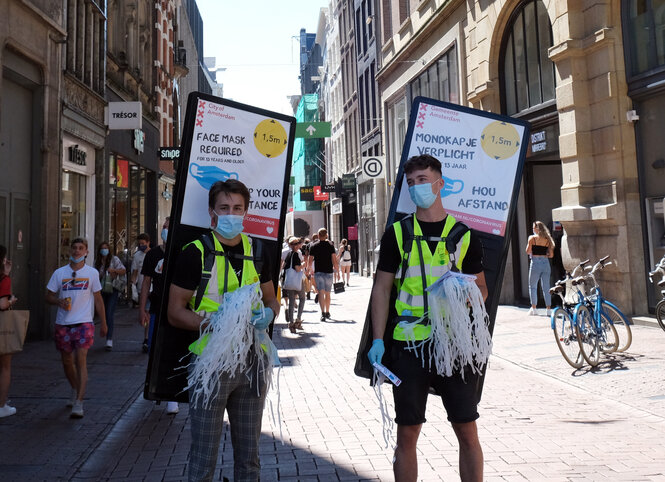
<point>540,419</point>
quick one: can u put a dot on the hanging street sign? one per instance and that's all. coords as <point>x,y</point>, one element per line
<point>313,130</point>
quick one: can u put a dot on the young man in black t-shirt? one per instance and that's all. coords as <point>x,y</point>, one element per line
<point>325,262</point>
<point>423,176</point>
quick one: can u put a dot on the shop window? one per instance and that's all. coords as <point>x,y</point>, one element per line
<point>72,212</point>
<point>528,73</point>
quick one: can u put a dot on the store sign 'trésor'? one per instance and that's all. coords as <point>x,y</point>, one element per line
<point>123,115</point>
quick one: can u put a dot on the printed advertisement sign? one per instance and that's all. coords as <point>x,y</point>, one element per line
<point>222,140</point>
<point>230,143</point>
<point>482,157</point>
<point>479,159</point>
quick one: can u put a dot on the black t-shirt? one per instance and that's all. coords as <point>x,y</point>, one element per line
<point>292,257</point>
<point>188,268</point>
<point>389,258</point>
<point>153,266</point>
<point>322,252</point>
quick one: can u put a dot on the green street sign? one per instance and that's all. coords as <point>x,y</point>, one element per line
<point>313,130</point>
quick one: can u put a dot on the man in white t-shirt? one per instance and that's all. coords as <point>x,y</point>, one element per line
<point>76,291</point>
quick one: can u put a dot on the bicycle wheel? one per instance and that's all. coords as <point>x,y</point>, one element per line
<point>587,337</point>
<point>621,324</point>
<point>660,313</point>
<point>609,341</point>
<point>566,339</point>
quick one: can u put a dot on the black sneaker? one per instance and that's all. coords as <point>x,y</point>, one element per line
<point>316,298</point>
<point>327,314</point>
<point>145,346</point>
<point>323,317</point>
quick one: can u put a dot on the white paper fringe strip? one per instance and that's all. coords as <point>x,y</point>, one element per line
<point>230,338</point>
<point>460,334</point>
<point>387,422</point>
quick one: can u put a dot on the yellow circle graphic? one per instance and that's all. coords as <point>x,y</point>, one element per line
<point>270,138</point>
<point>500,140</point>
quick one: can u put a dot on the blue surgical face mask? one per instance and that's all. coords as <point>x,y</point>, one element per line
<point>229,225</point>
<point>143,247</point>
<point>104,252</point>
<point>76,260</point>
<point>165,234</point>
<point>422,195</point>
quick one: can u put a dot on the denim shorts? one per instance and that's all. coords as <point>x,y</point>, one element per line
<point>324,281</point>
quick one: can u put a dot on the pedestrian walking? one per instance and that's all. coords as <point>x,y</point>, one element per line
<point>143,247</point>
<point>150,297</point>
<point>7,300</point>
<point>193,299</point>
<point>540,248</point>
<point>76,291</point>
<point>428,259</point>
<point>295,261</point>
<point>344,256</point>
<point>324,259</point>
<point>110,268</point>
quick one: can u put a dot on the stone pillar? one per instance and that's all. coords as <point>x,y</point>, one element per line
<point>599,198</point>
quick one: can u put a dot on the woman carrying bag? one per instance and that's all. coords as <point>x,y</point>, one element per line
<point>293,284</point>
<point>111,273</point>
<point>7,300</point>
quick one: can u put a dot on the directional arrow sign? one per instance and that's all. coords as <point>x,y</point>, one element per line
<point>313,130</point>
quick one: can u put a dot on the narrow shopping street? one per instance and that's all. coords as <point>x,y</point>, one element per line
<point>540,419</point>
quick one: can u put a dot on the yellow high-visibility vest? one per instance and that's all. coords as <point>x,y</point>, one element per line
<point>222,270</point>
<point>411,292</point>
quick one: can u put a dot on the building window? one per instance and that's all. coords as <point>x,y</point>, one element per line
<point>439,81</point>
<point>644,22</point>
<point>528,72</point>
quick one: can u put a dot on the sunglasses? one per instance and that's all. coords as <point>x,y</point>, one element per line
<point>74,275</point>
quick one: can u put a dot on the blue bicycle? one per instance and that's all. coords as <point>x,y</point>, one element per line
<point>562,322</point>
<point>600,326</point>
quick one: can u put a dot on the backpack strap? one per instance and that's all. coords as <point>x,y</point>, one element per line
<point>407,243</point>
<point>257,255</point>
<point>454,236</point>
<point>209,254</point>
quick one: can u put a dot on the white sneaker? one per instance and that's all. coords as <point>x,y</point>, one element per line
<point>6,411</point>
<point>72,399</point>
<point>77,410</point>
<point>109,345</point>
<point>172,408</point>
<point>549,312</point>
<point>533,312</point>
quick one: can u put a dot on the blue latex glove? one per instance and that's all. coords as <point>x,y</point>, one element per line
<point>407,313</point>
<point>262,318</point>
<point>376,352</point>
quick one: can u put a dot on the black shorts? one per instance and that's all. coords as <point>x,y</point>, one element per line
<point>460,397</point>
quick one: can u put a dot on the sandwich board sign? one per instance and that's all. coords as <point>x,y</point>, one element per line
<point>482,157</point>
<point>222,140</point>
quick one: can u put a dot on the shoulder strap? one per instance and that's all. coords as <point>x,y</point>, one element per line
<point>407,243</point>
<point>458,230</point>
<point>257,255</point>
<point>208,262</point>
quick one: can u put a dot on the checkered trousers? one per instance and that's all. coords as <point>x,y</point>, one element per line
<point>245,408</point>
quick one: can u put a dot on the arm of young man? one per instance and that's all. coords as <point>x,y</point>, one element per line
<point>179,314</point>
<point>380,303</point>
<point>101,312</point>
<point>144,316</point>
<point>52,299</point>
